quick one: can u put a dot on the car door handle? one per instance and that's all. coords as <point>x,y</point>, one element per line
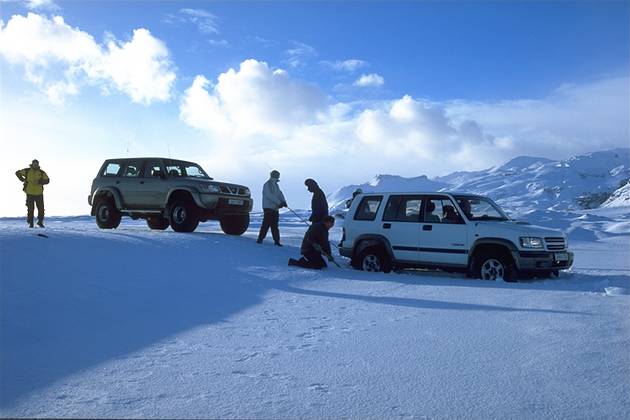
<point>387,225</point>
<point>117,182</point>
<point>427,227</point>
<point>142,182</point>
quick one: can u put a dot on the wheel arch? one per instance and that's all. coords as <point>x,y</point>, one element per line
<point>486,244</point>
<point>106,192</point>
<point>184,193</point>
<point>365,241</point>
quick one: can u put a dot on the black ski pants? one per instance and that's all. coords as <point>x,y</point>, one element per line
<point>270,220</point>
<point>312,259</point>
<point>31,202</point>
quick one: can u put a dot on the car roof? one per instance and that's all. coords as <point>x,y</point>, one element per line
<point>149,158</point>
<point>469,195</point>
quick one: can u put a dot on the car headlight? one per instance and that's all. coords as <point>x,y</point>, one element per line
<point>209,188</point>
<point>530,242</point>
<point>247,191</point>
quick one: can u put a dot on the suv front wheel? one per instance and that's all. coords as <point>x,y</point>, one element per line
<point>182,216</point>
<point>235,224</point>
<point>374,259</point>
<point>107,215</point>
<point>490,266</point>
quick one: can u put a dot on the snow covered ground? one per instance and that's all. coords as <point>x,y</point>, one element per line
<point>136,323</point>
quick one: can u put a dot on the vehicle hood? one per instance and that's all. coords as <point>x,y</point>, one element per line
<point>213,182</point>
<point>520,228</point>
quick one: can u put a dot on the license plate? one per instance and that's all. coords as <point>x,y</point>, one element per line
<point>561,256</point>
<point>233,202</point>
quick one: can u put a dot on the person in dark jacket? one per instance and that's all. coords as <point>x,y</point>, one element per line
<point>319,205</point>
<point>34,179</point>
<point>315,244</point>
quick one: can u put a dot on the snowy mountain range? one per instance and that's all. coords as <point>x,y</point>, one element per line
<point>525,183</point>
<point>620,198</point>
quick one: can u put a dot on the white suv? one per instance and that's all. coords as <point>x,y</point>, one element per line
<point>454,232</point>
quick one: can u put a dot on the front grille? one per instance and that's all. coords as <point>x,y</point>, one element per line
<point>230,190</point>
<point>555,244</point>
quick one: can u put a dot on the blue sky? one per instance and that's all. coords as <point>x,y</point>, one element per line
<point>442,51</point>
<point>324,81</point>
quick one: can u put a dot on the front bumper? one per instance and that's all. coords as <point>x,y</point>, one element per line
<point>225,204</point>
<point>542,260</point>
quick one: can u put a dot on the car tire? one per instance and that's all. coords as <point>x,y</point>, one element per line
<point>107,215</point>
<point>375,259</point>
<point>492,266</point>
<point>183,216</point>
<point>234,224</point>
<point>157,223</point>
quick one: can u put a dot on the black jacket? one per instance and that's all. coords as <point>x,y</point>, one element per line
<point>316,234</point>
<point>319,206</point>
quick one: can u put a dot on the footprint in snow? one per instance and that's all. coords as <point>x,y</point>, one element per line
<point>319,388</point>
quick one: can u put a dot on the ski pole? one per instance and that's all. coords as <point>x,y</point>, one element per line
<point>298,216</point>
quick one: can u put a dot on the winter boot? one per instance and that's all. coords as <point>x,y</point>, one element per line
<point>40,224</point>
<point>293,262</point>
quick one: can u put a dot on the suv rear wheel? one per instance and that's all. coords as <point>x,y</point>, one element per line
<point>375,259</point>
<point>157,222</point>
<point>493,266</point>
<point>235,224</point>
<point>107,215</point>
<point>182,216</point>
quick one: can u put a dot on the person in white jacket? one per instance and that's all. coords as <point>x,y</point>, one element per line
<point>272,201</point>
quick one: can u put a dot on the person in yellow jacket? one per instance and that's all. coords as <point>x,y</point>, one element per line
<point>34,179</point>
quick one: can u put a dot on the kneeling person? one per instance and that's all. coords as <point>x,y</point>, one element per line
<point>315,244</point>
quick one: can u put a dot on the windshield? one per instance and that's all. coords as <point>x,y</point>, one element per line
<point>185,169</point>
<point>480,208</point>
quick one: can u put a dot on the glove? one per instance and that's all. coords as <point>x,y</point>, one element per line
<point>318,248</point>
<point>330,257</point>
<point>283,204</point>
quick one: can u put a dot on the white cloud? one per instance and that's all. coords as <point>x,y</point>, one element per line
<point>41,5</point>
<point>350,65</point>
<point>370,80</point>
<point>254,100</point>
<point>299,53</point>
<point>263,115</point>
<point>206,22</point>
<point>59,59</point>
<point>219,43</point>
<point>572,119</point>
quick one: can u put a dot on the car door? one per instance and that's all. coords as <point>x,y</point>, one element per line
<point>152,188</point>
<point>444,233</point>
<point>130,184</point>
<point>401,225</point>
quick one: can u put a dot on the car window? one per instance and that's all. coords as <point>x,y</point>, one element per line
<point>480,208</point>
<point>368,208</point>
<point>112,169</point>
<point>403,208</point>
<point>194,171</point>
<point>132,169</point>
<point>173,170</point>
<point>441,210</point>
<point>153,169</point>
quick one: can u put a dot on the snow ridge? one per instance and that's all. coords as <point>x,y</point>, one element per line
<point>525,183</point>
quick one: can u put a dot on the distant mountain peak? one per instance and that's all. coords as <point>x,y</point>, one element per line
<point>524,182</point>
<point>522,162</point>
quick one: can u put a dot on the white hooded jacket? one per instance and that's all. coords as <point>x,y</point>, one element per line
<point>272,197</point>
